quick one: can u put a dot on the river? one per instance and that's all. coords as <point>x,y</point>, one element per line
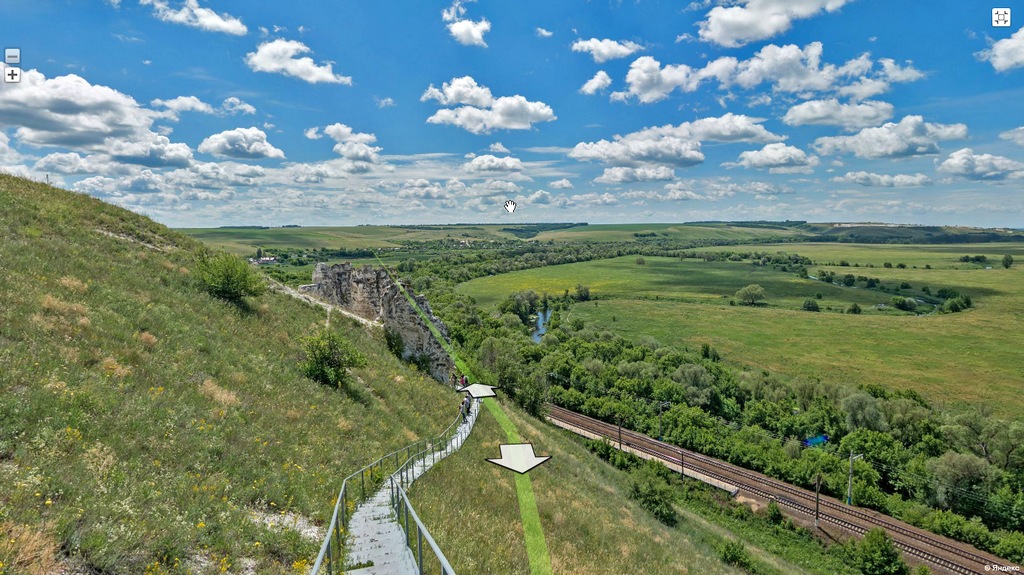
<point>542,324</point>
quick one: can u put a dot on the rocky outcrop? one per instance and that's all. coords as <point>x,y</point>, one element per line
<point>370,293</point>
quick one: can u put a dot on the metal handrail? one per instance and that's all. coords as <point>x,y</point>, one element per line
<point>399,500</point>
<point>333,540</point>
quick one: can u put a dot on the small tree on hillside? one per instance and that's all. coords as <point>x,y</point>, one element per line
<point>853,309</point>
<point>877,555</point>
<point>328,358</point>
<point>751,294</point>
<point>229,277</point>
<point>1007,261</point>
<point>811,305</point>
<point>640,261</point>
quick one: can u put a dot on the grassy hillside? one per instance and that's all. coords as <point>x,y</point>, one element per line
<point>590,525</point>
<point>146,426</point>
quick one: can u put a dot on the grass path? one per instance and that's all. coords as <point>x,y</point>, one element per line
<point>536,544</point>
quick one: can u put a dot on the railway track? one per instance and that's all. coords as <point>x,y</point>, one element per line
<point>942,554</point>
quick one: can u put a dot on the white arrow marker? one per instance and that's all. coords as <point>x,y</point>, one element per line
<point>478,390</point>
<point>518,457</point>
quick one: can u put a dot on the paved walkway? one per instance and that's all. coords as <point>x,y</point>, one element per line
<point>374,533</point>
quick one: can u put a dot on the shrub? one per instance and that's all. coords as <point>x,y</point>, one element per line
<point>817,295</point>
<point>229,277</point>
<point>648,488</point>
<point>903,303</point>
<point>328,357</point>
<point>854,309</point>
<point>774,513</point>
<point>958,303</point>
<point>878,556</point>
<point>393,339</point>
<point>811,305</point>
<point>735,553</point>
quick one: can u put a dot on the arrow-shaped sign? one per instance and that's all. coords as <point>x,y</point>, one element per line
<point>518,457</point>
<point>478,390</point>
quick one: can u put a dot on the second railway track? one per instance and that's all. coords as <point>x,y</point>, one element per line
<point>947,555</point>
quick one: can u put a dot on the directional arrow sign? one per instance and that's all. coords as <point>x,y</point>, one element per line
<point>518,457</point>
<point>478,390</point>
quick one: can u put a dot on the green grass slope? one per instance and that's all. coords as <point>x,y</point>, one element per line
<point>146,426</point>
<point>590,524</point>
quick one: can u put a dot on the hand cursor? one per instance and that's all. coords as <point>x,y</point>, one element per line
<point>510,206</point>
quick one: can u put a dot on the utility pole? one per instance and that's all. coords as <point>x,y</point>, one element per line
<point>682,464</point>
<point>849,484</point>
<point>817,499</point>
<point>618,419</point>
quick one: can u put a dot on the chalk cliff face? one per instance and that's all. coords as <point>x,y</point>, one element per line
<point>370,293</point>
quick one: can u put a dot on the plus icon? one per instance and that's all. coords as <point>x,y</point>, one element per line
<point>12,75</point>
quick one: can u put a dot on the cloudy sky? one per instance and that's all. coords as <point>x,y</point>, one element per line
<point>231,112</point>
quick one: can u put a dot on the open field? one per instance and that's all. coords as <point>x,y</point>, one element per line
<point>624,232</point>
<point>668,279</point>
<point>244,241</point>
<point>939,256</point>
<point>972,356</point>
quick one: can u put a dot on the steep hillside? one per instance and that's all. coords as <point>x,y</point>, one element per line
<point>147,427</point>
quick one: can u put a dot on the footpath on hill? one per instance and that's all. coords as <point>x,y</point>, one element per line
<point>536,544</point>
<point>375,536</point>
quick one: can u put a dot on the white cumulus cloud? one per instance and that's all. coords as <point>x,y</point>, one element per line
<point>235,106</point>
<point>752,20</point>
<point>600,81</point>
<point>1015,135</point>
<point>183,104</point>
<point>965,163</point>
<point>498,148</point>
<point>622,175</point>
<point>1005,54</point>
<point>282,57</point>
<point>675,146</point>
<point>563,184</point>
<point>911,136</point>
<point>870,179</point>
<point>831,113</point>
<point>479,112</point>
<point>245,143</point>
<point>466,32</point>
<point>542,33</point>
<point>489,163</point>
<point>604,50</point>
<point>194,15</point>
<point>779,158</point>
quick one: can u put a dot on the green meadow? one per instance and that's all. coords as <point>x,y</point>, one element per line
<point>973,356</point>
<point>244,241</point>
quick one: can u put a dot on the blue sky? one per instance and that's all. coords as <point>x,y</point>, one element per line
<point>214,112</point>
